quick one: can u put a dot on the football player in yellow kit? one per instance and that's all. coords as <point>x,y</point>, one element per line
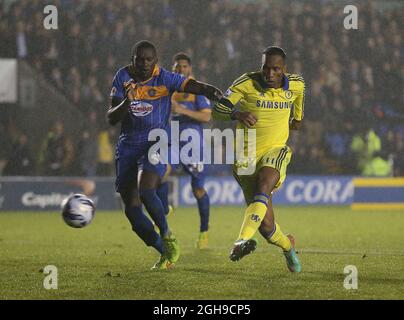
<point>264,101</point>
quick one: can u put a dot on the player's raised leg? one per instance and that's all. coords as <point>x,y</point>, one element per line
<point>272,232</point>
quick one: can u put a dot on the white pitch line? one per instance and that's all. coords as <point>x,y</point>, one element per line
<point>314,251</point>
<point>352,252</point>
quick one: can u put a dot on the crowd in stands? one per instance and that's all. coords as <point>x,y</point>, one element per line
<point>354,78</point>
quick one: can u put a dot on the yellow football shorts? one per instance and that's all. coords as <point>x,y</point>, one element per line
<point>277,158</point>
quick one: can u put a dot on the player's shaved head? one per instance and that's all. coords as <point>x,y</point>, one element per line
<point>274,50</point>
<point>144,44</point>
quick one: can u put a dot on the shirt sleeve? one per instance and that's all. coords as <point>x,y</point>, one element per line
<point>202,103</point>
<point>117,90</point>
<point>224,109</point>
<point>298,104</point>
<point>175,81</point>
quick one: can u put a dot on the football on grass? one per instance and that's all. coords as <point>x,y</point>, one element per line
<point>78,210</point>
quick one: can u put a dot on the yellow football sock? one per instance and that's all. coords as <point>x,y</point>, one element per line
<point>279,239</point>
<point>253,216</point>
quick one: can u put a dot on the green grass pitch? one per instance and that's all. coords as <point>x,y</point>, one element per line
<point>107,261</point>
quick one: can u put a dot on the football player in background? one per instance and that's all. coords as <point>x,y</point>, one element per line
<point>191,111</point>
<point>141,101</point>
<point>263,101</point>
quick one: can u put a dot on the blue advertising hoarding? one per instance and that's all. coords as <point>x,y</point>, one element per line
<point>47,193</point>
<point>297,190</point>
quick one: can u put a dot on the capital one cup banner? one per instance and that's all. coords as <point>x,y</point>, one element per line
<point>8,80</point>
<point>296,190</point>
<point>42,194</point>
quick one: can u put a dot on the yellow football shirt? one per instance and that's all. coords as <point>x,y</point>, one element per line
<point>272,107</point>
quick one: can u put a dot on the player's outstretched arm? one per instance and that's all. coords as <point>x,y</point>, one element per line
<point>225,109</point>
<point>204,89</point>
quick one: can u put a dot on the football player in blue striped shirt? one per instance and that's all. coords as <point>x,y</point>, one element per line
<point>141,101</point>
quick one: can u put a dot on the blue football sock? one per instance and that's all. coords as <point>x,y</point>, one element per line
<point>155,208</point>
<point>204,205</point>
<point>158,245</point>
<point>143,227</point>
<point>162,192</point>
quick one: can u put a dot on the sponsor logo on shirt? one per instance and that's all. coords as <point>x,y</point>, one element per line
<point>274,104</point>
<point>140,108</point>
<point>227,93</point>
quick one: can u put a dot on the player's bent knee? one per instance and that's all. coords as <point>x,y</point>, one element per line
<point>199,192</point>
<point>265,187</point>
<point>130,196</point>
<point>149,180</point>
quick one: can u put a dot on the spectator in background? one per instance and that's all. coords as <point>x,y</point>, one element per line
<point>377,166</point>
<point>21,38</point>
<point>87,151</point>
<point>57,153</point>
<point>105,164</point>
<point>397,154</point>
<point>299,160</point>
<point>314,162</point>
<point>56,78</point>
<point>4,146</point>
<point>19,161</point>
<point>8,48</point>
<point>364,145</point>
